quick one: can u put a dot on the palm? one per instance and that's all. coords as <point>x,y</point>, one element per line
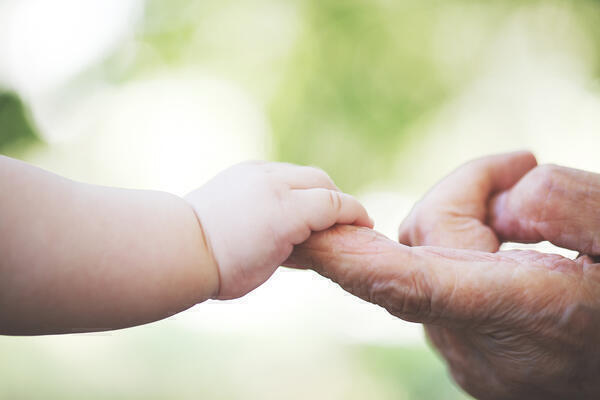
<point>510,345</point>
<point>488,314</point>
<point>511,324</point>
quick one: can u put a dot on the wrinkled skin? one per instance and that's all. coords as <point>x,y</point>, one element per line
<point>511,324</point>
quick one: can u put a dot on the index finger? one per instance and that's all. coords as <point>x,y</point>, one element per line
<point>558,204</point>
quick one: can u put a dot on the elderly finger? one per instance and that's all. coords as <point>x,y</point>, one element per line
<point>426,284</point>
<point>551,203</point>
<point>453,212</point>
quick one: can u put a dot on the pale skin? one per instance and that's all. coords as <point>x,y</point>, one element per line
<point>77,258</point>
<point>511,324</point>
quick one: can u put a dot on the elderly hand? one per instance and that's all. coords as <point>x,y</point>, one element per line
<point>511,324</point>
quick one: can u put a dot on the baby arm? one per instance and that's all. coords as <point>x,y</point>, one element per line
<point>77,257</point>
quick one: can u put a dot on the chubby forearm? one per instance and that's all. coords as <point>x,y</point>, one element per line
<point>76,257</point>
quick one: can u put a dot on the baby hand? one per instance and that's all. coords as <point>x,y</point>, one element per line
<point>255,212</point>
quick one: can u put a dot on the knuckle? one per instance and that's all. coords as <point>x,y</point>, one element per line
<point>545,176</point>
<point>335,200</point>
<point>265,182</point>
<point>540,187</point>
<point>537,183</point>
<point>321,174</point>
<point>405,296</point>
<point>270,179</point>
<point>278,190</point>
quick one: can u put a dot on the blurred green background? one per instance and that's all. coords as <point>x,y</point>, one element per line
<point>386,96</point>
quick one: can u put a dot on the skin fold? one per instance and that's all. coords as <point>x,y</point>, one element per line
<point>511,324</point>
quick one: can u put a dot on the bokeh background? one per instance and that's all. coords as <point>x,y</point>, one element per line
<point>386,95</point>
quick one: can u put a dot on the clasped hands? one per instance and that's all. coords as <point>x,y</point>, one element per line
<point>511,324</point>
